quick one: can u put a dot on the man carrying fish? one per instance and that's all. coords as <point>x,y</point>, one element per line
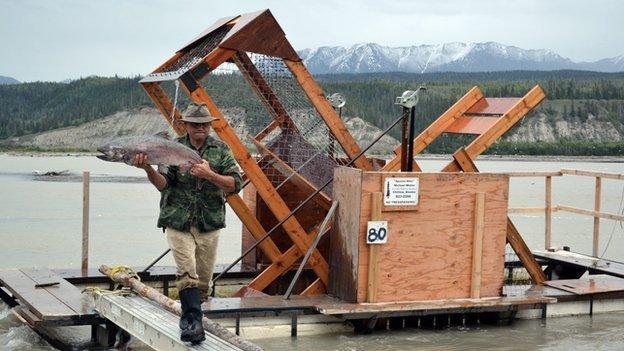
<point>192,211</point>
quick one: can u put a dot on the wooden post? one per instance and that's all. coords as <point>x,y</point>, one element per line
<point>85,223</point>
<point>373,250</point>
<point>477,246</point>
<point>548,213</point>
<point>597,197</point>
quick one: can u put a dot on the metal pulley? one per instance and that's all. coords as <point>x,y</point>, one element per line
<point>409,98</point>
<point>337,100</point>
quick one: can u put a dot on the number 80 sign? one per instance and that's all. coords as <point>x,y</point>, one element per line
<point>377,232</point>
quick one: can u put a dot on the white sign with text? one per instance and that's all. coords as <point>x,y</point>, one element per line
<point>401,191</point>
<point>377,232</point>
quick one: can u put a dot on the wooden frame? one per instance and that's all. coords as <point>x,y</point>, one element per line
<point>259,33</point>
<point>505,112</point>
<point>430,252</point>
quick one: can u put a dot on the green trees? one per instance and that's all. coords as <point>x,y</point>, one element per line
<point>40,106</point>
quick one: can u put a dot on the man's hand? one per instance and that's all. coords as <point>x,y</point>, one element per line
<point>140,161</point>
<point>202,170</point>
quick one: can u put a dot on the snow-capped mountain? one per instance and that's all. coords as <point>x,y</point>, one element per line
<point>458,57</point>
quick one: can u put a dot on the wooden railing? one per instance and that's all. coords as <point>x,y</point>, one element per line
<point>549,207</point>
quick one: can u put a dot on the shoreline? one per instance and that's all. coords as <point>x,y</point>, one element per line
<point>521,158</point>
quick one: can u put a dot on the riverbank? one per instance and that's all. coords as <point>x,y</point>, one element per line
<point>527,158</point>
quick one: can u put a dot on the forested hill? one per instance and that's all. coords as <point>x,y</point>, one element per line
<point>584,110</point>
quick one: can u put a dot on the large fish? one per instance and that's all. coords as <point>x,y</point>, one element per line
<point>159,150</point>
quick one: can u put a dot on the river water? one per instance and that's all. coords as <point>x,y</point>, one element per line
<point>40,226</point>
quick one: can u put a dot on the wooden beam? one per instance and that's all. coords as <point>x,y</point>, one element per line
<point>262,184</point>
<point>477,245</point>
<point>605,215</point>
<point>548,213</point>
<point>316,288</point>
<point>263,91</point>
<point>253,225</point>
<point>435,129</point>
<point>536,209</point>
<point>267,130</point>
<point>299,181</point>
<point>373,251</point>
<point>462,159</point>
<point>281,265</point>
<point>534,174</point>
<point>597,201</point>
<point>504,123</point>
<point>329,115</point>
<point>606,175</point>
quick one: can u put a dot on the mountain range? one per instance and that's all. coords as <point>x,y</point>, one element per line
<point>449,57</point>
<point>8,80</point>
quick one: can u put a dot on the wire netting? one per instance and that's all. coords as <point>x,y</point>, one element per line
<point>302,140</point>
<point>198,51</point>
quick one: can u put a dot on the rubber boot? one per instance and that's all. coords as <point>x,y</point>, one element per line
<point>191,328</point>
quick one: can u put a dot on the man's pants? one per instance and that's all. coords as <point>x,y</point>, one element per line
<point>194,254</point>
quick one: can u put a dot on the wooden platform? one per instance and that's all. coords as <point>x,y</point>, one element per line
<point>331,306</point>
<point>46,298</point>
<point>249,305</point>
<point>414,308</point>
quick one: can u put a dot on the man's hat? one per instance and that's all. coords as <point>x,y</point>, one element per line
<point>196,113</point>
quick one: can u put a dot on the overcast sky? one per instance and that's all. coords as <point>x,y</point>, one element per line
<point>66,39</point>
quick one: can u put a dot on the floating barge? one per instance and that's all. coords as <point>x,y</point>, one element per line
<point>332,235</point>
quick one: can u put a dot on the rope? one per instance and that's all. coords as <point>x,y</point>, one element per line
<point>124,269</point>
<point>93,290</point>
<point>119,289</point>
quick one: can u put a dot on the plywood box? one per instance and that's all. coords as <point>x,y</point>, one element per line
<point>429,253</point>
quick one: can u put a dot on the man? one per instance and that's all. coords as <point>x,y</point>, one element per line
<point>192,211</point>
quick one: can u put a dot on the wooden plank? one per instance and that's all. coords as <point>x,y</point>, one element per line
<point>373,250</point>
<point>259,32</point>
<point>534,174</point>
<point>85,223</point>
<point>263,186</point>
<point>492,106</point>
<point>605,215</point>
<point>477,245</point>
<point>594,284</point>
<point>352,309</point>
<point>548,210</point>
<point>427,136</point>
<point>344,249</point>
<point>429,252</point>
<point>462,160</point>
<point>471,125</point>
<point>597,200</point>
<point>281,265</point>
<point>253,225</point>
<point>39,301</point>
<point>606,175</point>
<point>502,125</point>
<point>537,209</point>
<point>267,130</point>
<point>316,288</point>
<point>71,296</point>
<point>327,112</point>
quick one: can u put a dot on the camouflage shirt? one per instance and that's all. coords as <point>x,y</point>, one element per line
<point>189,201</point>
